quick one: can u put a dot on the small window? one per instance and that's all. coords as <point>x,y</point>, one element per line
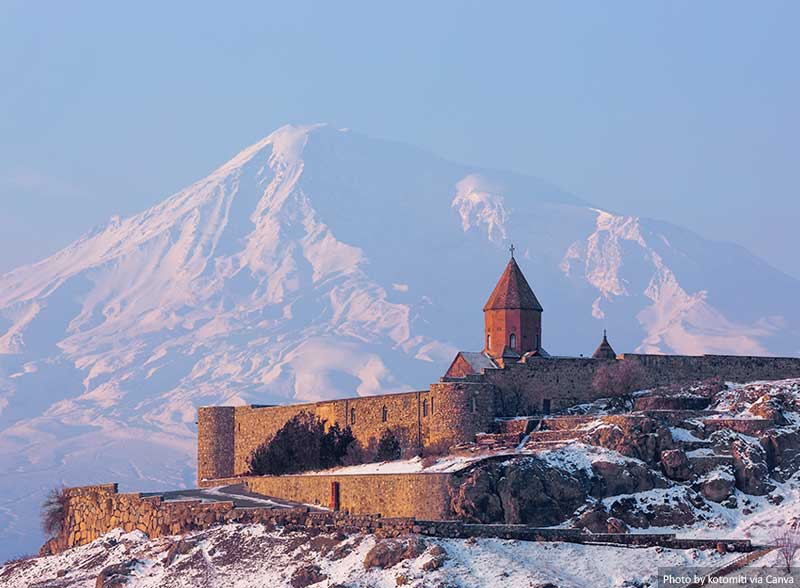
<point>431,404</point>
<point>536,342</point>
<point>385,414</point>
<point>488,341</point>
<point>474,404</point>
<point>352,416</point>
<point>424,408</point>
<point>512,341</point>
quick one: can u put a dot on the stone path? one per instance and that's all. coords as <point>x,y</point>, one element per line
<point>733,566</point>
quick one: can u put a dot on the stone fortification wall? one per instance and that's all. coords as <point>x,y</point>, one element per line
<point>95,510</point>
<point>523,388</point>
<point>446,413</point>
<point>670,369</point>
<point>425,496</point>
<point>566,381</point>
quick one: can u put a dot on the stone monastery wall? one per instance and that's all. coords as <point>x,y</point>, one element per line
<point>424,496</point>
<point>447,412</point>
<point>92,511</point>
<point>567,381</point>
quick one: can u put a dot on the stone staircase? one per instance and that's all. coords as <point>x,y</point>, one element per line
<point>733,566</point>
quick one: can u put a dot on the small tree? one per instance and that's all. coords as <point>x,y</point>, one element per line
<point>302,444</point>
<point>388,448</point>
<point>54,511</point>
<point>296,447</point>
<point>788,542</point>
<point>335,445</point>
<point>621,378</point>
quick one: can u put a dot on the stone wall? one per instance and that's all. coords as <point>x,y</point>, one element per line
<point>392,495</point>
<point>670,369</point>
<point>566,381</point>
<point>446,413</point>
<point>95,510</point>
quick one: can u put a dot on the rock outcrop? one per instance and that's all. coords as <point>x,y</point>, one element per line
<point>641,438</point>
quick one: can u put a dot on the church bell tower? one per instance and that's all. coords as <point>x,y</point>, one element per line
<point>512,315</point>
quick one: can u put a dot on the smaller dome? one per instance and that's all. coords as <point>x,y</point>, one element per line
<point>604,350</point>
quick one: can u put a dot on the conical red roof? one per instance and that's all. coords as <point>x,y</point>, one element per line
<point>512,291</point>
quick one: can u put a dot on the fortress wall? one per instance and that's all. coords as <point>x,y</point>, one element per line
<point>254,424</point>
<point>424,496</point>
<point>669,369</point>
<point>523,387</point>
<point>228,435</point>
<point>92,511</point>
<point>568,381</point>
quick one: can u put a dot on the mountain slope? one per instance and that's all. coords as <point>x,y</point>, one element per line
<point>319,263</point>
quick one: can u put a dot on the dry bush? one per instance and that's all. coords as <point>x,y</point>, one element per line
<point>621,378</point>
<point>54,511</point>
<point>788,542</point>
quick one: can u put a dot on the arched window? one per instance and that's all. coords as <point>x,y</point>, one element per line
<point>536,342</point>
<point>385,414</point>
<point>424,408</point>
<point>352,416</point>
<point>431,404</point>
<point>512,341</point>
<point>474,404</point>
<point>488,341</point>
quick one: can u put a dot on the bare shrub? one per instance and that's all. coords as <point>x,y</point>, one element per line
<point>788,542</point>
<point>54,511</point>
<point>621,378</point>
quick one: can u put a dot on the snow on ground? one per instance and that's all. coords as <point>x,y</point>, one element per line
<point>681,434</point>
<point>239,556</point>
<point>451,463</point>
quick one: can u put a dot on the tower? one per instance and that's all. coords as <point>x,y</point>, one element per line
<point>512,315</point>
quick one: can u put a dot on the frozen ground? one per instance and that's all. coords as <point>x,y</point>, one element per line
<point>250,557</point>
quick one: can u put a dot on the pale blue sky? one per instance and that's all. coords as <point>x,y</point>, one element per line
<point>683,111</point>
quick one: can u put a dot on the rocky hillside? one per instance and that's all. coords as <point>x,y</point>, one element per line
<point>669,464</point>
<point>251,556</point>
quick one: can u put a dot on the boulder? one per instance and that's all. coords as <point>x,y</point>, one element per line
<point>387,553</point>
<point>623,477</point>
<point>615,525</point>
<point>676,465</point>
<point>476,498</point>
<point>640,438</point>
<point>306,576</point>
<point>771,407</point>
<point>116,575</point>
<point>542,495</point>
<point>678,511</point>
<point>594,520</point>
<point>717,486</point>
<point>782,451</point>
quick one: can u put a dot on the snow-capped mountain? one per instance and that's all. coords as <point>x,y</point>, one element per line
<point>320,263</point>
